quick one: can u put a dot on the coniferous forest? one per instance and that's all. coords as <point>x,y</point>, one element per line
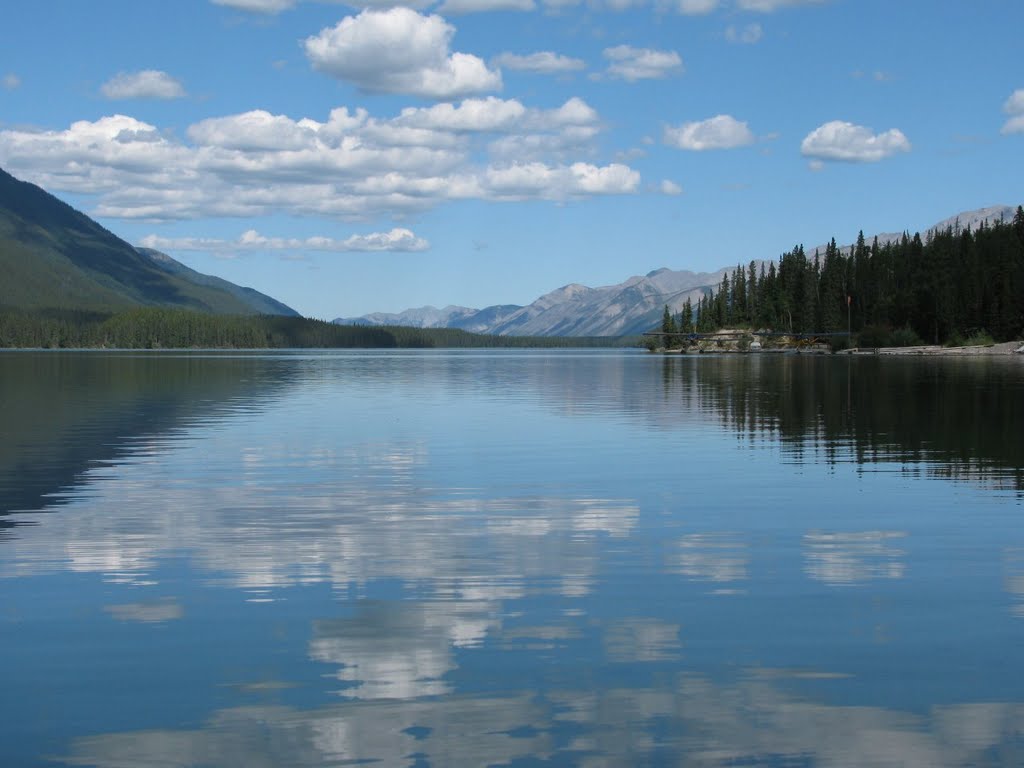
<point>949,286</point>
<point>157,328</point>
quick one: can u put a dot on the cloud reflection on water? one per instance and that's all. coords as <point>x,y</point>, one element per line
<point>363,517</point>
<point>714,557</point>
<point>641,640</point>
<point>460,732</point>
<point>848,559</point>
<point>691,721</point>
<point>403,649</point>
<point>545,562</point>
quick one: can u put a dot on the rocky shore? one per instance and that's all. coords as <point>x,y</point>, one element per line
<point>733,341</point>
<point>1006,348</point>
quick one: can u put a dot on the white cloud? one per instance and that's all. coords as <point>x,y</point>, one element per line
<point>838,140</point>
<point>767,6</point>
<point>669,187</point>
<point>541,63</point>
<point>399,51</point>
<point>397,239</point>
<point>747,35</point>
<point>532,133</point>
<point>350,166</point>
<point>562,145</point>
<point>490,114</point>
<point>1014,107</point>
<point>574,112</point>
<point>631,64</point>
<point>256,130</point>
<point>11,81</point>
<point>1013,125</point>
<point>719,132</point>
<point>480,6</point>
<point>147,84</point>
<point>257,6</point>
<point>526,180</point>
<point>1015,104</point>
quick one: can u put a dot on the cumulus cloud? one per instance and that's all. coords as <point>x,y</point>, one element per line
<point>573,112</point>
<point>669,187</point>
<point>631,64</point>
<point>528,134</point>
<point>747,35</point>
<point>399,51</point>
<point>541,63</point>
<point>1015,104</point>
<point>490,114</point>
<point>719,132</point>
<point>255,130</point>
<point>1014,107</point>
<point>11,81</point>
<point>1013,125</point>
<point>350,166</point>
<point>147,84</point>
<point>846,142</point>
<point>525,180</point>
<point>535,146</point>
<point>397,239</point>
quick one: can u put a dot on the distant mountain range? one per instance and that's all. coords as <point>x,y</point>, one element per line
<point>630,307</point>
<point>54,257</point>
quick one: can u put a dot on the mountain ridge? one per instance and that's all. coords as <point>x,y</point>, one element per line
<point>260,303</point>
<point>53,256</point>
<point>630,307</point>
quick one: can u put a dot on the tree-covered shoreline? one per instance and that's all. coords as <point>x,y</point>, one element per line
<point>949,286</point>
<point>157,328</point>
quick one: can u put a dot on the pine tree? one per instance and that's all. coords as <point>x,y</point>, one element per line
<point>687,325</point>
<point>668,327</point>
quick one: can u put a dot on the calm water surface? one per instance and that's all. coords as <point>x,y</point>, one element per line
<point>510,558</point>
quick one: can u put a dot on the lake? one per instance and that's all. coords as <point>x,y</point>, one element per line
<point>473,558</point>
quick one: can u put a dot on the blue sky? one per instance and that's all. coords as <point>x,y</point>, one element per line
<point>347,159</point>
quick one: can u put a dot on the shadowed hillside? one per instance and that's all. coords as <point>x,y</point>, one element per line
<point>54,257</point>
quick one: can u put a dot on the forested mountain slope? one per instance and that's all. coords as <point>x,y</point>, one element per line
<point>53,256</point>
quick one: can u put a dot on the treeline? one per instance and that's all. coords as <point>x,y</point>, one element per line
<point>154,328</point>
<point>952,284</point>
